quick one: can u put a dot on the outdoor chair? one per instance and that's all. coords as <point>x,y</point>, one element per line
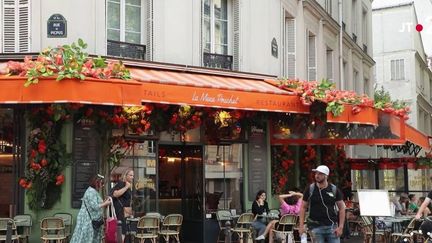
<point>243,227</point>
<point>25,223</point>
<point>148,228</point>
<point>171,227</point>
<point>380,235</point>
<point>223,216</point>
<point>285,227</point>
<point>407,235</point>
<point>68,223</point>
<point>3,229</point>
<point>154,214</point>
<point>53,229</point>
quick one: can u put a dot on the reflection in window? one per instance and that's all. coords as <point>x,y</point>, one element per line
<point>215,26</point>
<point>124,22</point>
<point>223,177</point>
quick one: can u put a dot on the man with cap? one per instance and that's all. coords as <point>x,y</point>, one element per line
<point>323,200</point>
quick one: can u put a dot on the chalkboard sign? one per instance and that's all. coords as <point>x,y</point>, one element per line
<point>85,155</point>
<point>257,160</point>
<point>57,26</point>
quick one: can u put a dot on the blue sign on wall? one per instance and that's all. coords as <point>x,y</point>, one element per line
<point>57,26</point>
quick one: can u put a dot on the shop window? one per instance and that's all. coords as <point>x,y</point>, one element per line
<point>223,177</point>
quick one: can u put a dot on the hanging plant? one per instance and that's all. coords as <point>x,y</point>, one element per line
<point>325,91</point>
<point>47,156</point>
<point>308,162</point>
<point>67,61</point>
<point>282,165</point>
<point>184,118</point>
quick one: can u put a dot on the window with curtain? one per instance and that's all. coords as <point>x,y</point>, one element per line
<point>124,22</point>
<point>215,26</point>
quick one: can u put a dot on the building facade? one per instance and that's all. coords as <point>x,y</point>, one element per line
<point>307,40</point>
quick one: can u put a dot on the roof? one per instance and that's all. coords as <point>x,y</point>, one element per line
<point>380,4</point>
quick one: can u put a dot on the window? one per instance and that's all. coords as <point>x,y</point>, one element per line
<point>366,86</point>
<point>311,54</point>
<point>329,57</point>
<point>328,6</point>
<point>291,47</point>
<point>124,22</point>
<point>215,26</point>
<point>15,26</point>
<point>364,27</point>
<point>397,69</point>
<point>356,84</point>
<point>354,19</point>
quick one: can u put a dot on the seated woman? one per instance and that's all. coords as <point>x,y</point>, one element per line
<point>290,204</point>
<point>260,207</point>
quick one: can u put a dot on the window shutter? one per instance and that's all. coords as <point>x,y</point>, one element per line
<point>236,35</point>
<point>24,17</point>
<point>311,59</point>
<point>330,65</point>
<point>16,28</point>
<point>393,69</point>
<point>149,28</point>
<point>9,26</point>
<point>402,69</point>
<point>291,48</point>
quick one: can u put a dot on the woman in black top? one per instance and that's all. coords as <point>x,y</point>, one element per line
<point>122,196</point>
<point>260,207</point>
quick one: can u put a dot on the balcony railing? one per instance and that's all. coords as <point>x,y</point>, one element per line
<point>354,36</point>
<point>365,48</point>
<point>212,60</point>
<point>124,49</point>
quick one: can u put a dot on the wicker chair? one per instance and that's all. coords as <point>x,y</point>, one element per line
<point>171,227</point>
<point>3,229</point>
<point>53,229</point>
<point>148,228</point>
<point>25,222</point>
<point>243,227</point>
<point>222,217</point>
<point>285,226</point>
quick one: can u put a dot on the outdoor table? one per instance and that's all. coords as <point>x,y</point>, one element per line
<point>397,223</point>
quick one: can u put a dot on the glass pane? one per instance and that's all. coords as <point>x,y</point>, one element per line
<point>207,47</point>
<point>114,13</point>
<point>221,49</point>
<point>116,1</point>
<point>221,9</point>
<point>134,2</point>
<point>221,32</point>
<point>207,8</point>
<point>133,37</point>
<point>206,30</point>
<point>114,35</point>
<point>223,178</point>
<point>133,18</point>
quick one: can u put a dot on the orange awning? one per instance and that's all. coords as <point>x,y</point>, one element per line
<point>214,91</point>
<point>158,86</point>
<point>416,137</point>
<point>90,91</point>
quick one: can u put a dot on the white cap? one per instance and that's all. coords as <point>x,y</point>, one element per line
<point>323,169</point>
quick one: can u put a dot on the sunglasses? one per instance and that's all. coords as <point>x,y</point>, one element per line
<point>100,176</point>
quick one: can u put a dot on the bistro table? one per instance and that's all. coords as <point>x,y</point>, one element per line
<point>398,223</point>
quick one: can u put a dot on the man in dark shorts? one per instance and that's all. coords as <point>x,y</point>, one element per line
<point>321,199</point>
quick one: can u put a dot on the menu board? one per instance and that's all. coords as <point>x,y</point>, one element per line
<point>257,161</point>
<point>85,156</point>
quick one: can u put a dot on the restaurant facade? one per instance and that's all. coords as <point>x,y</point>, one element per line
<point>197,141</point>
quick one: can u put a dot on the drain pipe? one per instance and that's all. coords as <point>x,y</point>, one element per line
<point>341,71</point>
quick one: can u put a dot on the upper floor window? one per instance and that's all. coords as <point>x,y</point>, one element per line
<point>328,6</point>
<point>397,69</point>
<point>329,62</point>
<point>124,21</point>
<point>15,15</point>
<point>215,24</point>
<point>311,57</point>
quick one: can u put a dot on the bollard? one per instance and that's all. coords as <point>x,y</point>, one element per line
<point>119,231</point>
<point>9,231</point>
<point>228,232</point>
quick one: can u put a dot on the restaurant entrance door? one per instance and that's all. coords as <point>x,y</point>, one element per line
<point>181,187</point>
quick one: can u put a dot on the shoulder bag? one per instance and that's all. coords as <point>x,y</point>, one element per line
<point>97,223</point>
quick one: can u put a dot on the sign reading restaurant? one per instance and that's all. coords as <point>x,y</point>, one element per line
<point>57,26</point>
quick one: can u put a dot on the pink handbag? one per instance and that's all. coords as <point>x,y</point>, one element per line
<point>111,225</point>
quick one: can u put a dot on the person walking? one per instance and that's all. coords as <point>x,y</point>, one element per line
<point>323,201</point>
<point>122,197</point>
<point>91,209</point>
<point>424,205</point>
